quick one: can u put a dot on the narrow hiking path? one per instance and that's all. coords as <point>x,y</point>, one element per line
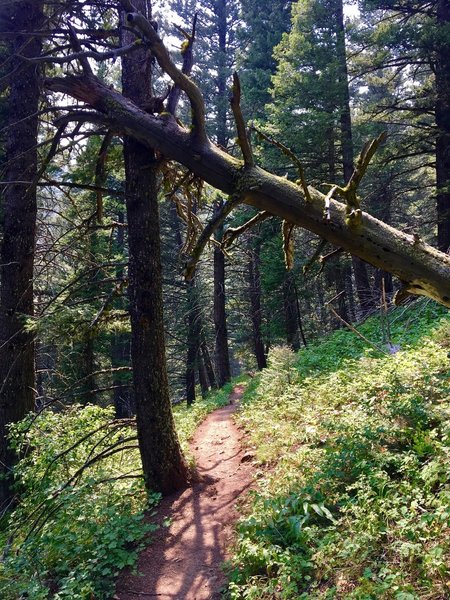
<point>184,560</point>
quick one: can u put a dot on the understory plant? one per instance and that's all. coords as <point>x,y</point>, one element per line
<point>82,511</point>
<point>353,495</point>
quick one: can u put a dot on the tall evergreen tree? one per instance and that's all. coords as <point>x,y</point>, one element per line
<point>311,107</point>
<point>18,225</point>
<point>413,38</point>
<point>263,24</point>
<point>164,466</point>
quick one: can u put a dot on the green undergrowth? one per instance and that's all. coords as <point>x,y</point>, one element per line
<point>83,512</point>
<point>353,493</point>
<point>403,325</point>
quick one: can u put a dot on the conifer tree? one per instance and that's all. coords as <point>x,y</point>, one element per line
<point>413,38</point>
<point>164,466</point>
<point>311,106</point>
<point>18,225</point>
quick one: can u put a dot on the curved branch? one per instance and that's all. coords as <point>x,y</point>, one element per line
<point>233,233</point>
<point>181,80</point>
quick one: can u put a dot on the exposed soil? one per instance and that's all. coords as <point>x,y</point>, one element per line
<point>184,560</point>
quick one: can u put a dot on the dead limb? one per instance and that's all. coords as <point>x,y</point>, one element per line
<point>188,61</point>
<point>232,233</point>
<point>217,220</point>
<point>166,63</point>
<point>288,152</point>
<point>243,140</point>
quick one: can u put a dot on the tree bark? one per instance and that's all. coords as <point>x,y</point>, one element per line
<point>193,340</point>
<point>203,377</point>
<point>208,363</point>
<point>442,115</point>
<point>255,306</point>
<point>223,369</point>
<point>290,312</point>
<point>19,207</point>
<point>121,344</point>
<point>299,316</point>
<point>122,393</point>
<point>164,467</point>
<point>341,288</point>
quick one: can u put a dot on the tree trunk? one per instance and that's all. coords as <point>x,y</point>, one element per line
<point>363,288</point>
<point>350,294</point>
<point>18,207</point>
<point>223,370</point>
<point>208,363</point>
<point>194,321</point>
<point>299,316</point>
<point>220,8</point>
<point>338,274</point>
<point>255,306</point>
<point>443,124</point>
<point>341,289</point>
<point>384,212</point>
<point>193,340</point>
<point>121,344</point>
<point>203,377</point>
<point>122,393</point>
<point>290,312</point>
<point>163,463</point>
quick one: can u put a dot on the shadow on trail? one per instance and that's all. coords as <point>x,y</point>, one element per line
<point>184,559</point>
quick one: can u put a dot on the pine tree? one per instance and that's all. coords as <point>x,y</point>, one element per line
<point>413,37</point>
<point>164,466</point>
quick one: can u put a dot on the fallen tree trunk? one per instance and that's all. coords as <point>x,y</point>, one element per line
<point>423,269</point>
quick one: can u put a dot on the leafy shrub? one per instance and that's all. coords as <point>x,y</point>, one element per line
<point>355,504</point>
<point>80,515</point>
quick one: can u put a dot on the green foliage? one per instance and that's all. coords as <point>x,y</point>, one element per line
<point>80,516</point>
<point>355,503</point>
<point>406,326</point>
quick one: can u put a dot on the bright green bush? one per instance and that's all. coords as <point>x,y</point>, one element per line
<point>354,485</point>
<point>80,516</point>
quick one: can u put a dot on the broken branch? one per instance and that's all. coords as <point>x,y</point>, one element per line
<point>243,141</point>
<point>234,232</point>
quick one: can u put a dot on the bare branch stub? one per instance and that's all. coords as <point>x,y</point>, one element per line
<point>327,204</point>
<point>187,48</point>
<point>243,140</point>
<point>349,192</point>
<point>76,45</point>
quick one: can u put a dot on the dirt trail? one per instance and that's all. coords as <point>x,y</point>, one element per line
<point>184,560</point>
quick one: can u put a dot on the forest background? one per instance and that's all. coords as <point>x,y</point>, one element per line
<point>99,227</point>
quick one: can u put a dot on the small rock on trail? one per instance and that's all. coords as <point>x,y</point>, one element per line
<point>184,560</point>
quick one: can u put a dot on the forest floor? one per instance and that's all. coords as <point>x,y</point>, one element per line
<point>185,557</point>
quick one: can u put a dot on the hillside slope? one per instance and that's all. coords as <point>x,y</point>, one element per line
<point>354,490</point>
